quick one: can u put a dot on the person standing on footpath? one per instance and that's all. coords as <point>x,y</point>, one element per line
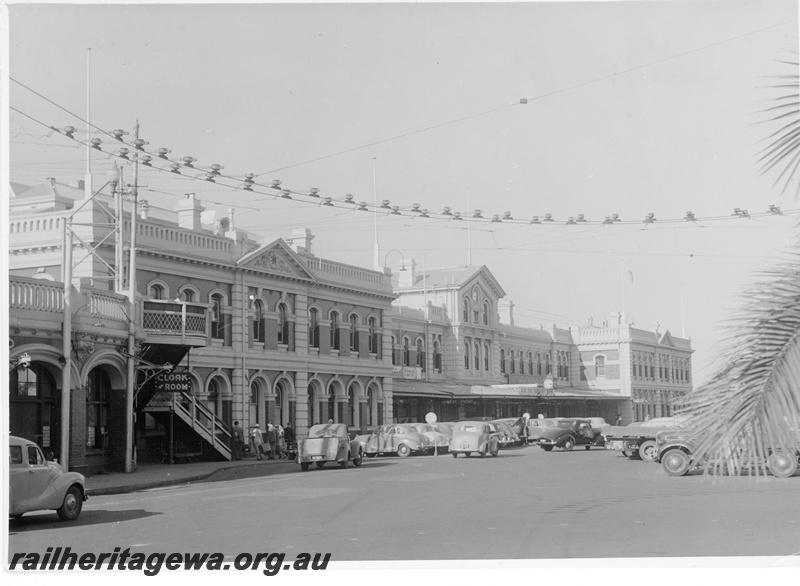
<point>256,442</point>
<point>272,438</point>
<point>238,441</point>
<point>290,439</point>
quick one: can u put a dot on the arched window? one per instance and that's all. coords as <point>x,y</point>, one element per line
<point>477,357</point>
<point>406,353</point>
<point>502,360</point>
<point>437,356</point>
<point>420,355</point>
<point>186,294</point>
<point>538,363</point>
<point>217,327</point>
<point>600,365</point>
<point>373,335</point>
<point>334,330</point>
<point>353,332</point>
<point>313,327</point>
<point>156,291</point>
<point>530,362</point>
<point>486,356</point>
<point>486,313</point>
<point>283,325</point>
<point>97,409</point>
<point>511,361</point>
<point>465,314</point>
<point>255,389</point>
<point>547,368</point>
<point>466,354</point>
<point>259,321</point>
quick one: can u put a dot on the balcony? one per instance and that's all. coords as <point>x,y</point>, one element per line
<point>176,322</point>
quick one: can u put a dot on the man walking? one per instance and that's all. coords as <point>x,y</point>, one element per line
<point>238,441</point>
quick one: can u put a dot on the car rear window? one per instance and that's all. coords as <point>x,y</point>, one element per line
<point>15,454</point>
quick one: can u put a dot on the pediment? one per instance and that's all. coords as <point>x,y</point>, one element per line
<point>277,258</point>
<point>666,340</point>
<point>484,281</point>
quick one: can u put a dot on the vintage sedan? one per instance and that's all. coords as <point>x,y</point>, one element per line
<point>439,439</point>
<point>328,442</point>
<point>398,439</point>
<point>537,426</point>
<point>36,484</point>
<point>508,437</point>
<point>677,447</point>
<point>568,433</point>
<point>480,437</point>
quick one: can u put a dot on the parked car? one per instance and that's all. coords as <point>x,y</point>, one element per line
<point>508,436</point>
<point>518,427</point>
<point>397,439</point>
<point>638,440</point>
<point>569,433</point>
<point>598,423</point>
<point>677,447</point>
<point>440,441</point>
<point>444,427</point>
<point>36,484</point>
<point>480,437</point>
<point>536,426</point>
<point>328,442</point>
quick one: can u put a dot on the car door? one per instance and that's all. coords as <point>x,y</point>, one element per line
<point>39,476</point>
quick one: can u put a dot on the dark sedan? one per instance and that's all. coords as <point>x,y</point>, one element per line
<point>569,433</point>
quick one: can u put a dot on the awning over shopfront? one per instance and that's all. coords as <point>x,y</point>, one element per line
<point>437,390</point>
<point>535,391</point>
<point>532,391</point>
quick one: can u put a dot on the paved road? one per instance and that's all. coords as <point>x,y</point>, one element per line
<point>524,504</point>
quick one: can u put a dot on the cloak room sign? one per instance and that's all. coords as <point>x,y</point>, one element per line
<point>173,382</point>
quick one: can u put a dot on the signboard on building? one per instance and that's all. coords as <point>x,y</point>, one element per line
<point>407,372</point>
<point>532,390</point>
<point>173,382</point>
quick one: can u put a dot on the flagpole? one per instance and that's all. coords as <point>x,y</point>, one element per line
<point>622,286</point>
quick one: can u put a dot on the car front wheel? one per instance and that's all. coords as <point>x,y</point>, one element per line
<point>648,451</point>
<point>403,451</point>
<point>676,462</point>
<point>72,505</point>
<point>781,464</point>
<point>569,443</point>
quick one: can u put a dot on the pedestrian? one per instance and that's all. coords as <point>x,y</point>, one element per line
<point>256,442</point>
<point>272,438</point>
<point>291,441</point>
<point>238,441</point>
<point>619,419</point>
<point>281,442</point>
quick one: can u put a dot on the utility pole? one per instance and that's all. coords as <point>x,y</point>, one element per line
<point>130,414</point>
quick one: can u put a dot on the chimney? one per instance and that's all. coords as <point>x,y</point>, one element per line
<point>300,240</point>
<point>189,210</point>
<point>407,276</point>
<point>506,310</point>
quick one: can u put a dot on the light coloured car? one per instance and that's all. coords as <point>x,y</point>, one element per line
<point>36,484</point>
<point>328,442</point>
<point>480,437</point>
<point>439,439</point>
<point>397,439</point>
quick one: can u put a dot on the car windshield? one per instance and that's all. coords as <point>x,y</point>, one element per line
<point>564,423</point>
<point>469,427</point>
<point>329,430</point>
<point>425,428</point>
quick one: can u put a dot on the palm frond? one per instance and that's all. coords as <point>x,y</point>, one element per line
<point>751,407</point>
<point>781,151</point>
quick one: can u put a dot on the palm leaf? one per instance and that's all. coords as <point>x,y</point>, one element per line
<point>782,151</point>
<point>751,407</point>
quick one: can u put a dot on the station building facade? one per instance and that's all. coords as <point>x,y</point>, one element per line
<point>265,331</point>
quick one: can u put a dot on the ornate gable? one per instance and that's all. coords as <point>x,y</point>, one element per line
<point>278,259</point>
<point>484,281</point>
<point>666,340</point>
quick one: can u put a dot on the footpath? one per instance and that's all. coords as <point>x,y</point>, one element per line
<point>151,475</point>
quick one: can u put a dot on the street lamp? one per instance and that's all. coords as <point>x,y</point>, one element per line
<point>386,256</point>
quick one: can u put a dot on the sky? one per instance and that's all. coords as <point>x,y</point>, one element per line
<point>632,108</point>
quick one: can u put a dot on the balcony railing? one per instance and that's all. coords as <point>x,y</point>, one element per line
<point>176,318</point>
